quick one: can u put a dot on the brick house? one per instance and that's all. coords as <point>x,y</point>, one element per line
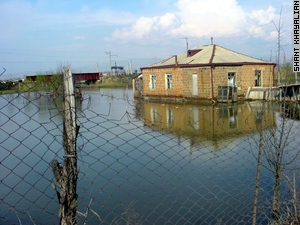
<point>197,73</point>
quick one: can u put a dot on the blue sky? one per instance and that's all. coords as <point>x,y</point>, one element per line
<point>39,35</point>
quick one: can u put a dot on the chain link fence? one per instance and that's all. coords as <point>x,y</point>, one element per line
<point>148,162</point>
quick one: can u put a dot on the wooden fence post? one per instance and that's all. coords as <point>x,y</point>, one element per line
<point>67,175</point>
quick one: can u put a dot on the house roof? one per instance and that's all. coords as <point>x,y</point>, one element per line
<point>208,55</point>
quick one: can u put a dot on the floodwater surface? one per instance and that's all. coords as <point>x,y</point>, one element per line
<point>143,162</point>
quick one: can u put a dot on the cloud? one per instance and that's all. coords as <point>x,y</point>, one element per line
<point>81,37</point>
<point>198,18</point>
<point>258,21</point>
<point>144,28</point>
<point>202,18</point>
<point>261,17</point>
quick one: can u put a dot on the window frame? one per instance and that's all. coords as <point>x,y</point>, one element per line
<point>169,83</point>
<point>152,81</point>
<point>229,75</point>
<point>257,78</point>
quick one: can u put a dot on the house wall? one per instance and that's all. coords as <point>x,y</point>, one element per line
<point>182,81</point>
<point>177,87</point>
<point>245,76</point>
<point>220,76</point>
<point>248,78</point>
<point>204,83</point>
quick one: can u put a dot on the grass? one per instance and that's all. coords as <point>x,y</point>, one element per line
<point>113,81</point>
<point>29,86</point>
<point>56,85</point>
<point>10,88</point>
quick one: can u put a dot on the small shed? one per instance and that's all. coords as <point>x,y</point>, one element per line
<point>137,84</point>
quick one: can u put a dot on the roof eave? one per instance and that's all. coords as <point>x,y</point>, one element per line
<point>209,64</point>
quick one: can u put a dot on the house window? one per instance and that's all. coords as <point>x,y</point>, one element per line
<point>152,82</point>
<point>169,81</point>
<point>257,78</point>
<point>231,79</point>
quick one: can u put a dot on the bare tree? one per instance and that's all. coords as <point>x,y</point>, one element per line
<point>279,32</point>
<point>276,151</point>
<point>261,127</point>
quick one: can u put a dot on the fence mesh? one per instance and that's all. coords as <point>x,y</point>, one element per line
<point>150,162</point>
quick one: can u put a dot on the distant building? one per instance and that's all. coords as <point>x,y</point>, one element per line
<point>90,77</point>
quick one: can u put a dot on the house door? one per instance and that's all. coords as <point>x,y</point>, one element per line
<point>195,84</point>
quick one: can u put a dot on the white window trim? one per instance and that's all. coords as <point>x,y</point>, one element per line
<point>171,83</point>
<point>235,73</point>
<point>152,87</point>
<point>261,80</point>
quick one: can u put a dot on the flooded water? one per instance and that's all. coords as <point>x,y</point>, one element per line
<point>148,162</point>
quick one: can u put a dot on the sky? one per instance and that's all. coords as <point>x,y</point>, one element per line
<point>41,36</point>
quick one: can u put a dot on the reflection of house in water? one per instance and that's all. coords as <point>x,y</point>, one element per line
<point>205,123</point>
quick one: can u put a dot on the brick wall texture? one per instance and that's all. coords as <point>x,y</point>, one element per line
<point>182,80</point>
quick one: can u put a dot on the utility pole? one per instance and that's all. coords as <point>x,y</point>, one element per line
<point>110,55</point>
